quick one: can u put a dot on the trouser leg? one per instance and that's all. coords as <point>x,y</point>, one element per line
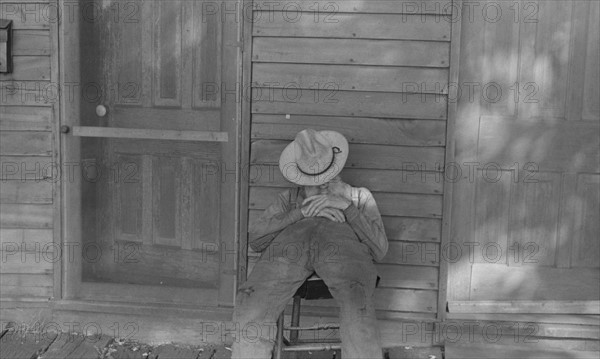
<point>350,274</point>
<point>270,286</point>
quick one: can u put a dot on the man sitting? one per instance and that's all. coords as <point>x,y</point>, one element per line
<point>324,226</point>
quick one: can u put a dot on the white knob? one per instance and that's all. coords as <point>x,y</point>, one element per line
<point>101,110</point>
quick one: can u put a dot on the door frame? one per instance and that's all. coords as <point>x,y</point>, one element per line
<point>68,217</point>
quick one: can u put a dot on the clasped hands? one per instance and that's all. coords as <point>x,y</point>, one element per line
<point>329,205</point>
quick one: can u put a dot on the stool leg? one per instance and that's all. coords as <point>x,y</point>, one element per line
<point>279,339</point>
<point>295,319</point>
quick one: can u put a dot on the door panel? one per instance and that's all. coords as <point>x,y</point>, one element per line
<point>157,214</point>
<point>529,213</point>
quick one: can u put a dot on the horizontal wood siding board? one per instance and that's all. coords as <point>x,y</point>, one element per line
<point>354,26</point>
<point>33,168</point>
<point>403,300</point>
<point>427,206</point>
<point>28,93</point>
<point>394,181</point>
<point>349,103</point>
<point>324,11</point>
<point>363,156</point>
<point>13,239</point>
<point>401,276</point>
<point>29,68</point>
<point>26,215</point>
<point>398,228</point>
<point>34,262</point>
<point>350,78</point>
<point>351,51</point>
<point>413,253</point>
<point>381,131</point>
<point>20,118</point>
<point>26,280</point>
<point>16,291</point>
<point>25,143</point>
<point>31,43</point>
<point>572,146</point>
<point>36,16</point>
<point>26,192</point>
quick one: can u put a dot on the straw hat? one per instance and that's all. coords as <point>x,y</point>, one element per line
<point>314,157</point>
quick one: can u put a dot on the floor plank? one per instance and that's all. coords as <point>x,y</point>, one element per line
<point>19,345</point>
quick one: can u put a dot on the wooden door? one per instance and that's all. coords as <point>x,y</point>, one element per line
<point>157,146</point>
<point>525,210</point>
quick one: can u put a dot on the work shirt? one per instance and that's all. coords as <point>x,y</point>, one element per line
<point>362,215</point>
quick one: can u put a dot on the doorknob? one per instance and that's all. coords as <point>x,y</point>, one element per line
<point>101,110</point>
<point>65,129</point>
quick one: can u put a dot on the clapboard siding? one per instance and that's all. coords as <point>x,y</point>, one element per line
<point>383,131</point>
<point>377,72</point>
<point>27,108</point>
<point>365,26</point>
<point>375,180</point>
<point>363,156</point>
<point>29,68</point>
<point>25,118</point>
<point>350,51</point>
<point>351,77</point>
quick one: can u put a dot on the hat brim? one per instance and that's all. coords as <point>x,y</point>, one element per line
<point>289,168</point>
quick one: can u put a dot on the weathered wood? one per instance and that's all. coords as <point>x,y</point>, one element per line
<point>149,134</point>
<point>36,16</point>
<point>408,300</point>
<point>31,43</point>
<point>491,351</point>
<point>133,292</point>
<point>525,306</point>
<point>29,68</point>
<point>591,74</point>
<point>323,11</point>
<point>27,238</point>
<point>28,93</point>
<point>375,180</point>
<point>331,101</point>
<point>398,228</point>
<point>26,143</point>
<point>584,242</point>
<point>348,51</point>
<point>19,345</point>
<point>383,131</point>
<point>26,216</point>
<point>577,319</point>
<point>411,253</point>
<point>25,281</point>
<point>354,26</point>
<point>559,146</point>
<point>499,282</point>
<point>27,262</point>
<point>26,192</point>
<point>16,291</point>
<point>363,156</point>
<point>28,168</point>
<point>415,277</point>
<point>350,77</point>
<point>158,118</point>
<point>427,206</point>
<point>25,118</point>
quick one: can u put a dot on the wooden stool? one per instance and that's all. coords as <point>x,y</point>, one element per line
<point>313,288</point>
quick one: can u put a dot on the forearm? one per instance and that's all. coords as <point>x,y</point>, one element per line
<point>262,232</point>
<point>369,231</point>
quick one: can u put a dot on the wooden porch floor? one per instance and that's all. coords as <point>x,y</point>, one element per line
<point>36,345</point>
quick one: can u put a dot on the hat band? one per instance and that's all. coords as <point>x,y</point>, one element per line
<point>335,151</point>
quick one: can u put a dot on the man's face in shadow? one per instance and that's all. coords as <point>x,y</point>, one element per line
<point>334,186</point>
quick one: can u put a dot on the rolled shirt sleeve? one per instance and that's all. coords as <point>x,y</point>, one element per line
<point>365,219</point>
<point>272,221</point>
